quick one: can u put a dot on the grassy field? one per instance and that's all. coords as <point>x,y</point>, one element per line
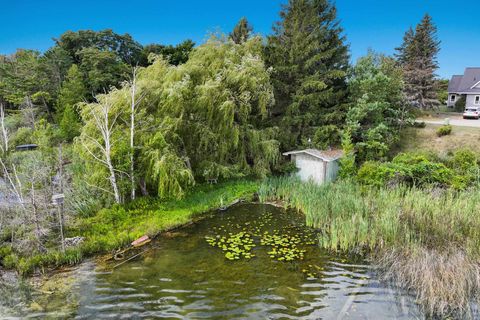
<point>117,227</point>
<point>426,139</point>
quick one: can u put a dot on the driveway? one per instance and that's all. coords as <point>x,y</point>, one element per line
<point>454,120</point>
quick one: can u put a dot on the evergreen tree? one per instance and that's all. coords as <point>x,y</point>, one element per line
<point>241,32</point>
<point>69,124</point>
<point>72,91</point>
<point>418,58</point>
<point>309,59</point>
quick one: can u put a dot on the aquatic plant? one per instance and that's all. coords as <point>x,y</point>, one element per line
<point>433,233</point>
<point>235,246</point>
<point>237,240</point>
<point>444,281</point>
<point>284,247</point>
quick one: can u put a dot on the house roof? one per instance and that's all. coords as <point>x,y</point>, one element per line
<point>325,155</point>
<point>469,82</point>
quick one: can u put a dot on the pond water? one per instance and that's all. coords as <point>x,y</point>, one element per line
<point>184,276</point>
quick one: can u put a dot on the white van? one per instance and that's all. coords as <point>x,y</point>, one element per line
<point>471,113</point>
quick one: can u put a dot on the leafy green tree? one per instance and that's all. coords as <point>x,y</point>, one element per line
<point>377,109</point>
<point>55,63</point>
<point>175,55</point>
<point>200,120</point>
<point>72,92</point>
<point>102,69</point>
<point>309,58</point>
<point>122,46</point>
<point>442,90</point>
<point>242,31</point>
<point>418,57</point>
<point>223,94</point>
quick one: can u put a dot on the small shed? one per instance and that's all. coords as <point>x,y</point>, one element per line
<point>319,166</point>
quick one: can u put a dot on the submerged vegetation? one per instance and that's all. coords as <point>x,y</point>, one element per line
<point>405,227</point>
<point>285,244</point>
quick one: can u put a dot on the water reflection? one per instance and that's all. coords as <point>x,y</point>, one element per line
<point>183,277</point>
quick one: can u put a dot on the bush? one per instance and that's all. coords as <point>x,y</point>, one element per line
<point>409,168</point>
<point>378,174</point>
<point>419,124</point>
<point>444,130</point>
<point>461,103</point>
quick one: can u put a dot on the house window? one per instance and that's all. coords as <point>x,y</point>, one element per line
<point>477,99</point>
<point>452,98</point>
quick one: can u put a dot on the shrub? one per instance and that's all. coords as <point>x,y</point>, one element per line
<point>419,124</point>
<point>444,130</point>
<point>461,103</point>
<point>464,160</point>
<point>410,168</point>
<point>10,261</point>
<point>378,174</point>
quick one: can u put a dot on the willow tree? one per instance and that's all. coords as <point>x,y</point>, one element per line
<point>197,121</point>
<point>222,95</point>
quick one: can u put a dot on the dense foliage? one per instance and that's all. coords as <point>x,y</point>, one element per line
<point>310,59</point>
<point>459,171</point>
<point>207,114</point>
<point>377,110</point>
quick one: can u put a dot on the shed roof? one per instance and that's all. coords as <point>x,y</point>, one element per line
<point>466,83</point>
<point>325,155</point>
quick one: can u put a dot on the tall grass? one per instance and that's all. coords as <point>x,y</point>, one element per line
<point>426,241</point>
<point>351,216</point>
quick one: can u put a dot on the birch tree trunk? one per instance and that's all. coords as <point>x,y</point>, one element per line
<point>101,113</point>
<point>4,146</point>
<point>132,132</point>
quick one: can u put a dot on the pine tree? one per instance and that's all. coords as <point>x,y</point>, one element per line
<point>242,31</point>
<point>309,59</point>
<point>69,124</point>
<point>404,52</point>
<point>73,90</point>
<point>418,58</point>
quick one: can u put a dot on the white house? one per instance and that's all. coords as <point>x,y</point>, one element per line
<point>316,165</point>
<point>467,85</point>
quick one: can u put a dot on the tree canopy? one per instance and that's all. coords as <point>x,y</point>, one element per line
<point>207,114</point>
<point>309,58</point>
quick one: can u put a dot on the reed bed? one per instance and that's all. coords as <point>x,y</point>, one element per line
<point>354,217</point>
<point>425,240</point>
